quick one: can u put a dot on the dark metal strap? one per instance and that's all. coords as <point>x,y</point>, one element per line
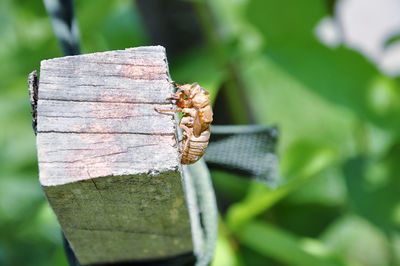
<point>64,24</point>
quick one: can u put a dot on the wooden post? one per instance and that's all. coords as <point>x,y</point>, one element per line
<point>108,162</point>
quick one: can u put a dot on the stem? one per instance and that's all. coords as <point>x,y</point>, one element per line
<point>233,87</point>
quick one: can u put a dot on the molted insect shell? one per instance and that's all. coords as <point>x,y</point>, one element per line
<point>194,102</point>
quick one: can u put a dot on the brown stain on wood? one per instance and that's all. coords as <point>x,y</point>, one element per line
<point>110,107</point>
<point>150,72</point>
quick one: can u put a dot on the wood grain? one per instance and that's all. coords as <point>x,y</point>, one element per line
<point>108,162</point>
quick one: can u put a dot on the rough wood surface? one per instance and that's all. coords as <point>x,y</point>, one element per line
<point>108,163</point>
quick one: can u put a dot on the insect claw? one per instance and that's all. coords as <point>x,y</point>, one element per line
<point>173,98</point>
<point>160,111</point>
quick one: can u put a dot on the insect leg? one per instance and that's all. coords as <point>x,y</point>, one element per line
<point>169,110</point>
<point>173,98</point>
<point>175,84</point>
<point>191,111</point>
<point>189,135</point>
<point>186,124</point>
<point>185,145</point>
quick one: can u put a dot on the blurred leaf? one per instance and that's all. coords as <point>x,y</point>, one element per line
<point>18,197</point>
<point>91,37</point>
<point>374,202</point>
<point>341,76</point>
<point>392,39</point>
<point>285,22</point>
<point>44,226</point>
<point>17,143</point>
<point>280,99</point>
<point>296,217</point>
<point>221,50</point>
<point>123,27</point>
<point>233,187</point>
<point>306,158</point>
<point>59,257</point>
<point>328,188</point>
<point>395,242</point>
<point>198,66</point>
<point>357,241</point>
<point>314,158</point>
<point>224,253</point>
<point>107,25</point>
<point>315,247</point>
<point>253,257</point>
<point>276,243</point>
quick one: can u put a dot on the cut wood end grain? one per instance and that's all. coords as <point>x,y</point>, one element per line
<point>96,116</point>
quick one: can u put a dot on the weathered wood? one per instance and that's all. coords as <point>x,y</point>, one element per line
<point>108,162</point>
<point>33,97</point>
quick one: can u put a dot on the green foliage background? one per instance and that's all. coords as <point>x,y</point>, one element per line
<point>339,118</point>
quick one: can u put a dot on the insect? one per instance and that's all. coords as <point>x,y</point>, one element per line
<point>194,102</point>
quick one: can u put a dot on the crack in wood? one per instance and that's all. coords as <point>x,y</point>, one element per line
<point>108,133</point>
<point>103,101</point>
<point>137,77</point>
<point>86,158</point>
<point>117,63</point>
<point>98,117</point>
<point>97,156</point>
<point>94,183</point>
<point>93,143</point>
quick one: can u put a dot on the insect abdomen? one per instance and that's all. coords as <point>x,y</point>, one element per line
<point>196,147</point>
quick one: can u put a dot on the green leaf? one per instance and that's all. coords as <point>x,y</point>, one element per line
<point>328,188</point>
<point>285,21</point>
<point>199,66</point>
<point>306,158</point>
<point>224,252</point>
<point>233,187</point>
<point>122,28</point>
<point>278,244</point>
<point>340,76</point>
<point>304,161</point>
<point>357,241</point>
<point>374,201</point>
<point>279,98</point>
<point>19,195</point>
<point>392,39</point>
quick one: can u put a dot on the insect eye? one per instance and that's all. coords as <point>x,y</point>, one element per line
<point>194,85</point>
<point>205,91</point>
